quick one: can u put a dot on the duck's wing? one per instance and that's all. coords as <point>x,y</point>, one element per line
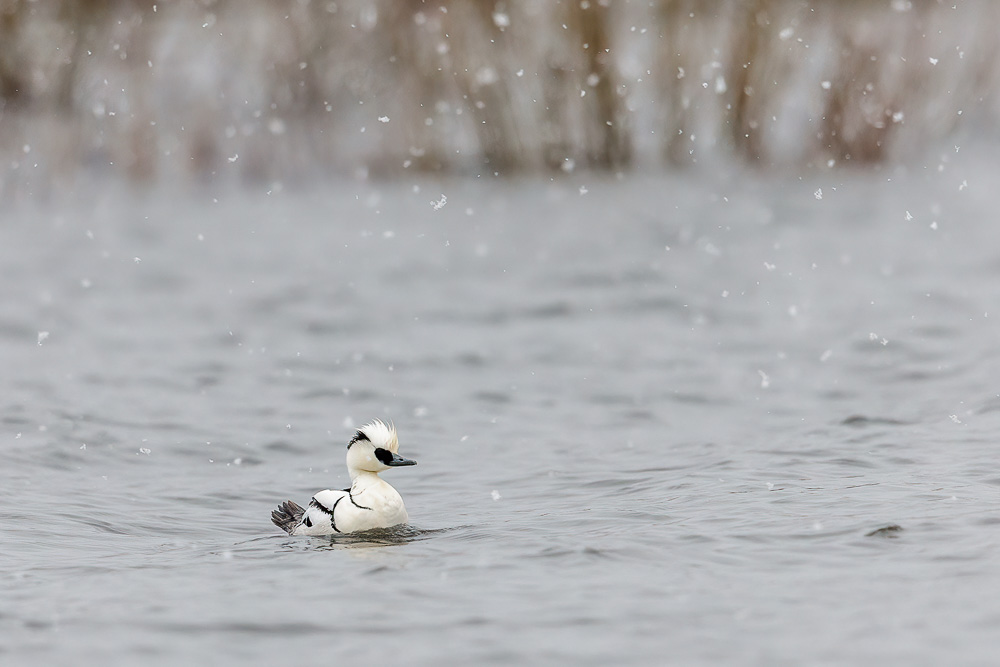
<point>318,518</point>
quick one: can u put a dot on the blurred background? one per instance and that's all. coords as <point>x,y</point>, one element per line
<point>254,90</point>
<point>687,309</point>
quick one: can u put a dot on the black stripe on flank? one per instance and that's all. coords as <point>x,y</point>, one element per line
<point>333,522</point>
<point>351,496</point>
<point>329,512</point>
<point>322,508</point>
<point>357,437</point>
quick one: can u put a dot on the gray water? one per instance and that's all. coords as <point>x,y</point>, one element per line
<point>662,419</point>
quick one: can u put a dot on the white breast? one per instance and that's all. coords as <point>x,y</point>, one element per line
<point>377,505</point>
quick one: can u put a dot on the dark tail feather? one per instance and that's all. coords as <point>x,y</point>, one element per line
<point>287,516</point>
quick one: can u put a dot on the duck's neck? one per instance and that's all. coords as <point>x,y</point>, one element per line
<point>362,479</point>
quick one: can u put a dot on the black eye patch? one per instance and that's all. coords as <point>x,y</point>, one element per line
<point>383,455</point>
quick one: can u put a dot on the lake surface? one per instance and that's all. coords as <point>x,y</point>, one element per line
<point>677,418</point>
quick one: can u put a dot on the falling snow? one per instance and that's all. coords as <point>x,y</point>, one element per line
<point>218,246</point>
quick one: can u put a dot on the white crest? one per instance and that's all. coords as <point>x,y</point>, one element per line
<point>381,435</point>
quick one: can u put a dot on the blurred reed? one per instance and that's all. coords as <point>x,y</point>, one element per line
<point>262,90</point>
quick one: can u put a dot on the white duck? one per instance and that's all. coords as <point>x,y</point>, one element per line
<point>369,503</point>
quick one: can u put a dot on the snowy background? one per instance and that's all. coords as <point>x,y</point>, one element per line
<point>254,91</point>
<point>687,310</point>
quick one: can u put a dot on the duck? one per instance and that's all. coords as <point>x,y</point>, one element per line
<point>368,503</point>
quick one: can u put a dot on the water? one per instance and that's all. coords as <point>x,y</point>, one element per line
<point>660,421</point>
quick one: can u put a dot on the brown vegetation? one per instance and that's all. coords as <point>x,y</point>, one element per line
<point>266,90</point>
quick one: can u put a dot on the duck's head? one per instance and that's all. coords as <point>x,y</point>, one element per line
<point>373,449</point>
